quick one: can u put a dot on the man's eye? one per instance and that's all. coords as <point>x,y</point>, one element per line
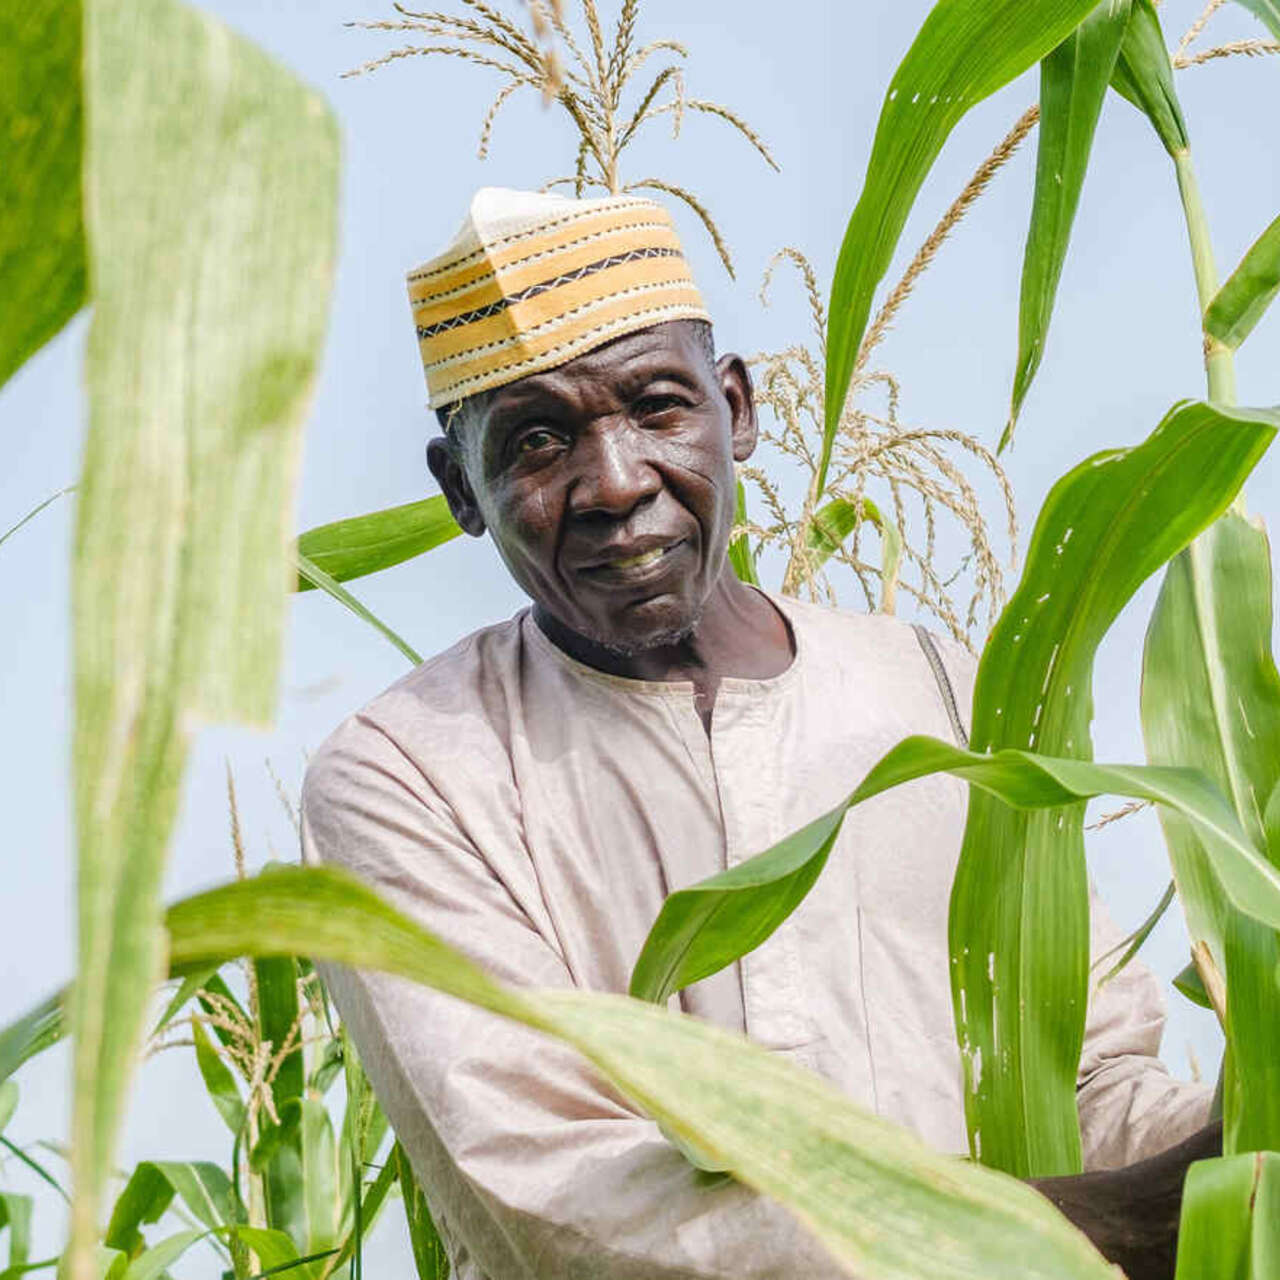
<point>649,406</point>
<point>535,440</point>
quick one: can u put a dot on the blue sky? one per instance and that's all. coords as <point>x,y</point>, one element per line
<point>1124,347</point>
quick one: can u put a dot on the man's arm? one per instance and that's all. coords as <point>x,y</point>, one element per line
<point>1131,1108</point>
<point>532,1166</point>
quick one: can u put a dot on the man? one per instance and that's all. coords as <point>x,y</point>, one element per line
<point>534,793</point>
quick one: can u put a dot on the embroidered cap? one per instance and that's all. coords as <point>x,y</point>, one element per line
<point>532,280</point>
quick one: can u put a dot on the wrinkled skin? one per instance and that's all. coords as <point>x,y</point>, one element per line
<point>626,451</point>
<point>607,486</point>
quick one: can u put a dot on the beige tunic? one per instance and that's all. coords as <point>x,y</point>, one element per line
<point>535,813</point>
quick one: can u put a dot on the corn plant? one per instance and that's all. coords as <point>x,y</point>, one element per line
<point>151,656</point>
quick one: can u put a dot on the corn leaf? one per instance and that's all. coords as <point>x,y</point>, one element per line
<point>1019,929</point>
<point>320,1179</point>
<point>702,929</point>
<point>8,1102</point>
<point>1267,11</point>
<point>1241,302</point>
<point>15,1217</point>
<point>1144,75</point>
<point>1073,86</point>
<point>836,520</point>
<point>210,186</point>
<point>429,1258</point>
<point>274,1250</point>
<point>331,587</point>
<point>741,556</point>
<point>219,1083</point>
<point>884,1204</point>
<point>352,548</point>
<point>32,1033</point>
<point>146,1197</point>
<point>1231,1219</point>
<point>42,262</point>
<point>964,52</point>
<point>1211,700</point>
<point>371,1204</point>
<point>156,1261</point>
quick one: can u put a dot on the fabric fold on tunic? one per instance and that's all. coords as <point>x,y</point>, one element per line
<point>535,813</point>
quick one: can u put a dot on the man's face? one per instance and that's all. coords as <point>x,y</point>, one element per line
<point>608,484</point>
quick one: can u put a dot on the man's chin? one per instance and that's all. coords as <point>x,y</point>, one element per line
<point>634,636</point>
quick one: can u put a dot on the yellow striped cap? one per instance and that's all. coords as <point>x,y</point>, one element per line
<point>532,280</point>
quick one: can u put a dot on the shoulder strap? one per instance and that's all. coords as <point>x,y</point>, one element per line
<point>939,670</point>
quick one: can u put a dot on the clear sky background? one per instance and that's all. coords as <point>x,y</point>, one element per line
<point>809,76</point>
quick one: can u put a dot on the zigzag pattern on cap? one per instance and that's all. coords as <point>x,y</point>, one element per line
<point>534,280</point>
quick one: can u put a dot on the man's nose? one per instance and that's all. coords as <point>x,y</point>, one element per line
<point>615,474</point>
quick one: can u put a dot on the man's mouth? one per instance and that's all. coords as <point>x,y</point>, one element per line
<point>634,562</point>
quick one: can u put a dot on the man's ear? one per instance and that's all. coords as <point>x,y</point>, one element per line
<point>735,383</point>
<point>451,476</point>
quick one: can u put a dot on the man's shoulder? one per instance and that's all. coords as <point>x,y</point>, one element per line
<point>434,714</point>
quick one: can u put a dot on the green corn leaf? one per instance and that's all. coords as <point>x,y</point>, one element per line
<point>1267,11</point>
<point>34,1165</point>
<point>1019,927</point>
<point>211,183</point>
<point>1129,947</point>
<point>202,1187</point>
<point>1073,86</point>
<point>35,511</point>
<point>320,1178</point>
<point>274,1250</point>
<point>429,1257</point>
<point>31,1034</point>
<point>42,254</point>
<point>1243,300</point>
<point>279,1023</point>
<point>1211,699</point>
<point>741,557</point>
<point>964,52</point>
<point>370,1206</point>
<point>8,1102</point>
<point>329,586</point>
<point>352,548</point>
<point>1144,75</point>
<point>1231,1219</point>
<point>156,1261</point>
<point>884,1204</point>
<point>702,929</point>
<point>836,520</point>
<point>1188,981</point>
<point>15,1217</point>
<point>219,1083</point>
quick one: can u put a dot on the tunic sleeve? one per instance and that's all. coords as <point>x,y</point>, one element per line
<point>533,1167</point>
<point>1130,1106</point>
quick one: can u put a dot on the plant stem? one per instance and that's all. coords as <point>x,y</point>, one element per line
<point>1219,362</point>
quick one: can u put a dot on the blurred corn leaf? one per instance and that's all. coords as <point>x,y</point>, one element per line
<point>42,253</point>
<point>210,190</point>
<point>1019,929</point>
<point>351,548</point>
<point>884,1204</point>
<point>15,1218</point>
<point>702,929</point>
<point>219,1083</point>
<point>31,1034</point>
<point>154,1263</point>
<point>1144,75</point>
<point>1249,291</point>
<point>1211,700</point>
<point>1231,1219</point>
<point>964,52</point>
<point>1073,86</point>
<point>8,1102</point>
<point>1267,11</point>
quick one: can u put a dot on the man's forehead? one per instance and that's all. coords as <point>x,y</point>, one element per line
<point>621,363</point>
